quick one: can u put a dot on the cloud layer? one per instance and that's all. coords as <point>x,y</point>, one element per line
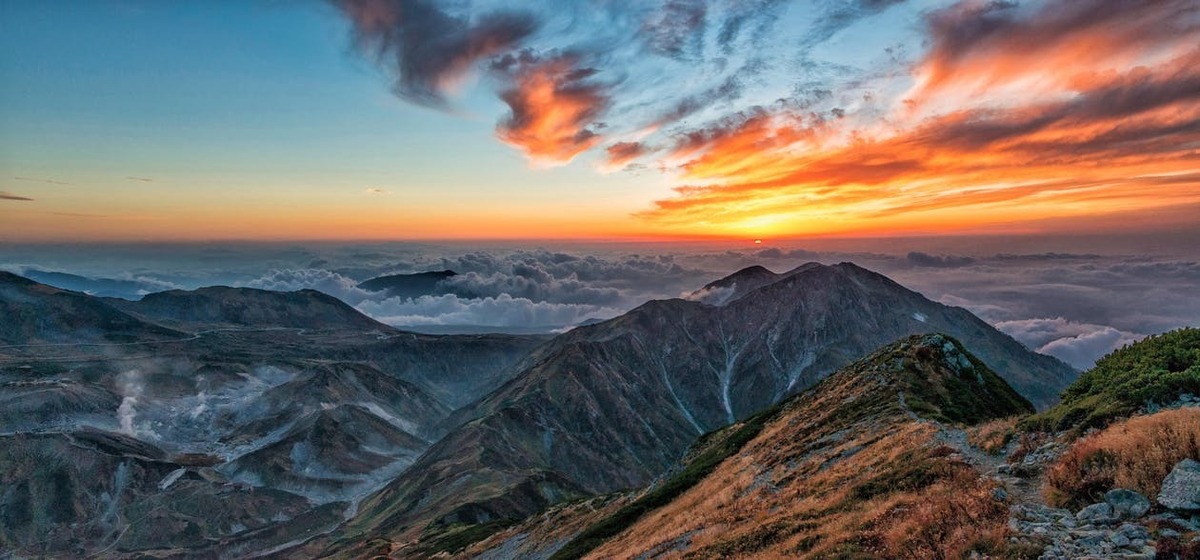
<point>1073,305</point>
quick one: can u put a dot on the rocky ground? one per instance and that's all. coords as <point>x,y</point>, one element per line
<point>1125,525</point>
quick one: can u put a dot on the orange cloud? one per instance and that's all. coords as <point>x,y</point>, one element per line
<point>1015,116</point>
<point>622,154</point>
<point>553,109</point>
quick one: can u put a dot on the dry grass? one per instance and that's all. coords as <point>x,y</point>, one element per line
<point>994,435</point>
<point>950,519</point>
<point>849,486</point>
<point>1135,454</point>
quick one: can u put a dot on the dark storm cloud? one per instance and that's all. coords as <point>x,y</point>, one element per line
<point>427,49</point>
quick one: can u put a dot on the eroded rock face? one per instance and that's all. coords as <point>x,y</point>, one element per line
<point>1181,488</point>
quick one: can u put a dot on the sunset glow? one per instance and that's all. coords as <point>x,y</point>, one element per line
<point>712,121</point>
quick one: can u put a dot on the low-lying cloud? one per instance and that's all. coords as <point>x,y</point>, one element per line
<point>1075,305</point>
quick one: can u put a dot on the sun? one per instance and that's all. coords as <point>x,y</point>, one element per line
<point>758,242</point>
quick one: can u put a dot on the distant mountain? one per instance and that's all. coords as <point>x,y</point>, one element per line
<point>260,421</point>
<point>410,285</point>
<point>613,405</point>
<point>103,287</point>
<point>868,463</point>
<point>35,313</point>
<point>221,306</point>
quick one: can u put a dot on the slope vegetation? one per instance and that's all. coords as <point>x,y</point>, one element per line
<point>865,464</point>
<point>1153,371</point>
<point>612,406</point>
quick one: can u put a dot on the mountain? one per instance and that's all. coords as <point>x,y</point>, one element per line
<point>68,494</point>
<point>612,406</point>
<point>39,314</point>
<point>868,463</point>
<point>410,285</point>
<point>734,286</point>
<point>224,307</point>
<point>262,424</point>
<point>103,287</point>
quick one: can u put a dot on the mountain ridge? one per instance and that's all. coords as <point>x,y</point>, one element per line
<point>610,406</point>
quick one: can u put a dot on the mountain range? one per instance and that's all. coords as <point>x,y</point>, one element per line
<point>410,438</point>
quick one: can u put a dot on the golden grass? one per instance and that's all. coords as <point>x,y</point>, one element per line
<point>1135,454</point>
<point>994,435</point>
<point>820,485</point>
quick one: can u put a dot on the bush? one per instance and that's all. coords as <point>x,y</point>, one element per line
<point>1155,370</point>
<point>1135,454</point>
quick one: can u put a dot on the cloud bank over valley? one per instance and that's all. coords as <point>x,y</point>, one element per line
<point>1076,306</point>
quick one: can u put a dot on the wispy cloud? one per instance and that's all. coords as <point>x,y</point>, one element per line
<point>5,195</point>
<point>37,180</point>
<point>141,179</point>
<point>970,115</point>
<point>376,191</point>
<point>554,105</point>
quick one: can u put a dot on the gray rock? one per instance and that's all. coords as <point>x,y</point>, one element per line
<point>1181,488</point>
<point>1098,514</point>
<point>1127,503</point>
<point>1120,540</point>
<point>1133,531</point>
<point>999,494</point>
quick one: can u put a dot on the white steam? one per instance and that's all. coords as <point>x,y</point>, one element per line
<point>130,385</point>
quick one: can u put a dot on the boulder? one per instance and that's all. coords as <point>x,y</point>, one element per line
<point>1127,504</point>
<point>1098,514</point>
<point>1181,488</point>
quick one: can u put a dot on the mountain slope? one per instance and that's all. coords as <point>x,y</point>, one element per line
<point>846,469</point>
<point>39,314</point>
<point>1153,371</point>
<point>613,405</point>
<point>221,306</point>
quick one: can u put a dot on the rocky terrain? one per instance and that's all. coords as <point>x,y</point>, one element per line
<point>612,406</point>
<point>795,487</point>
<point>253,419</point>
<point>712,426</point>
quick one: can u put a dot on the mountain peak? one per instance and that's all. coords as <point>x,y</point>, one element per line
<point>734,286</point>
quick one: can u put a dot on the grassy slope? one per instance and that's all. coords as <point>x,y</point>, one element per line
<point>1155,370</point>
<point>854,420</point>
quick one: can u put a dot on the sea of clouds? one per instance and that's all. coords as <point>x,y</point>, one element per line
<point>1076,306</point>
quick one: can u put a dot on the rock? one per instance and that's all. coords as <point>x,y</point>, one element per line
<point>1133,531</point>
<point>999,494</point>
<point>1127,503</point>
<point>1120,540</point>
<point>1181,488</point>
<point>1098,514</point>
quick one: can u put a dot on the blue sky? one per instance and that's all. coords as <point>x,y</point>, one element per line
<point>662,119</point>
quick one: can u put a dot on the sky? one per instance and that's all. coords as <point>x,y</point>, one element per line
<point>136,121</point>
